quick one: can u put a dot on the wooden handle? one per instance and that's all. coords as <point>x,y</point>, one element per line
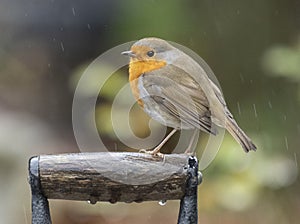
<point>113,177</point>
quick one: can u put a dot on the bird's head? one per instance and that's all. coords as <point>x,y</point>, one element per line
<point>150,49</point>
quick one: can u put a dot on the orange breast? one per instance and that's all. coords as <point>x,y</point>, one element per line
<point>136,69</point>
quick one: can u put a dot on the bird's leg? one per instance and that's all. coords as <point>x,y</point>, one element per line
<point>189,148</point>
<point>156,150</point>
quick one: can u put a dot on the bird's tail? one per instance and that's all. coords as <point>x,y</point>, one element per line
<point>239,135</point>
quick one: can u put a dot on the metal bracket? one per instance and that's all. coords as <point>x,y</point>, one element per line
<point>188,212</point>
<point>39,203</point>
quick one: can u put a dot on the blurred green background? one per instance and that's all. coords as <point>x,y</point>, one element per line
<point>253,48</point>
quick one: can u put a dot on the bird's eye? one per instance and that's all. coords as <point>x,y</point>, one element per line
<point>150,53</point>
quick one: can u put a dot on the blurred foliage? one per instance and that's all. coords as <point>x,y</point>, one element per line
<point>253,47</point>
<point>284,61</point>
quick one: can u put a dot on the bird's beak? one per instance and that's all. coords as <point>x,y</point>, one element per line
<point>129,53</point>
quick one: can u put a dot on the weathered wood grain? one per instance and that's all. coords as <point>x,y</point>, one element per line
<point>113,177</point>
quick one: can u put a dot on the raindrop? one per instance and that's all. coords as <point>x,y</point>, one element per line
<point>49,65</point>
<point>162,202</point>
<point>88,26</point>
<point>238,12</point>
<point>296,161</point>
<point>254,107</point>
<point>73,11</point>
<point>286,143</point>
<point>298,127</point>
<point>199,178</point>
<point>242,78</point>
<point>62,46</point>
<point>270,104</point>
<point>92,201</point>
<point>239,108</point>
<point>284,117</point>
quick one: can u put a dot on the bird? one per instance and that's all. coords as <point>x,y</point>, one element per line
<point>175,90</point>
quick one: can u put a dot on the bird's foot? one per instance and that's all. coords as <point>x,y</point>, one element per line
<point>143,151</point>
<point>152,152</point>
<point>189,152</point>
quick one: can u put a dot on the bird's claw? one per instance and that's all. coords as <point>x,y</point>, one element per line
<point>152,152</point>
<point>189,152</point>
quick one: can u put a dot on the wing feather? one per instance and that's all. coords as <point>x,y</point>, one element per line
<point>178,94</point>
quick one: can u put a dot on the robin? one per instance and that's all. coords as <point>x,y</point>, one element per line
<point>175,90</point>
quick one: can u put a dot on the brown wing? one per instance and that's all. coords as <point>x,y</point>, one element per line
<point>178,94</point>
